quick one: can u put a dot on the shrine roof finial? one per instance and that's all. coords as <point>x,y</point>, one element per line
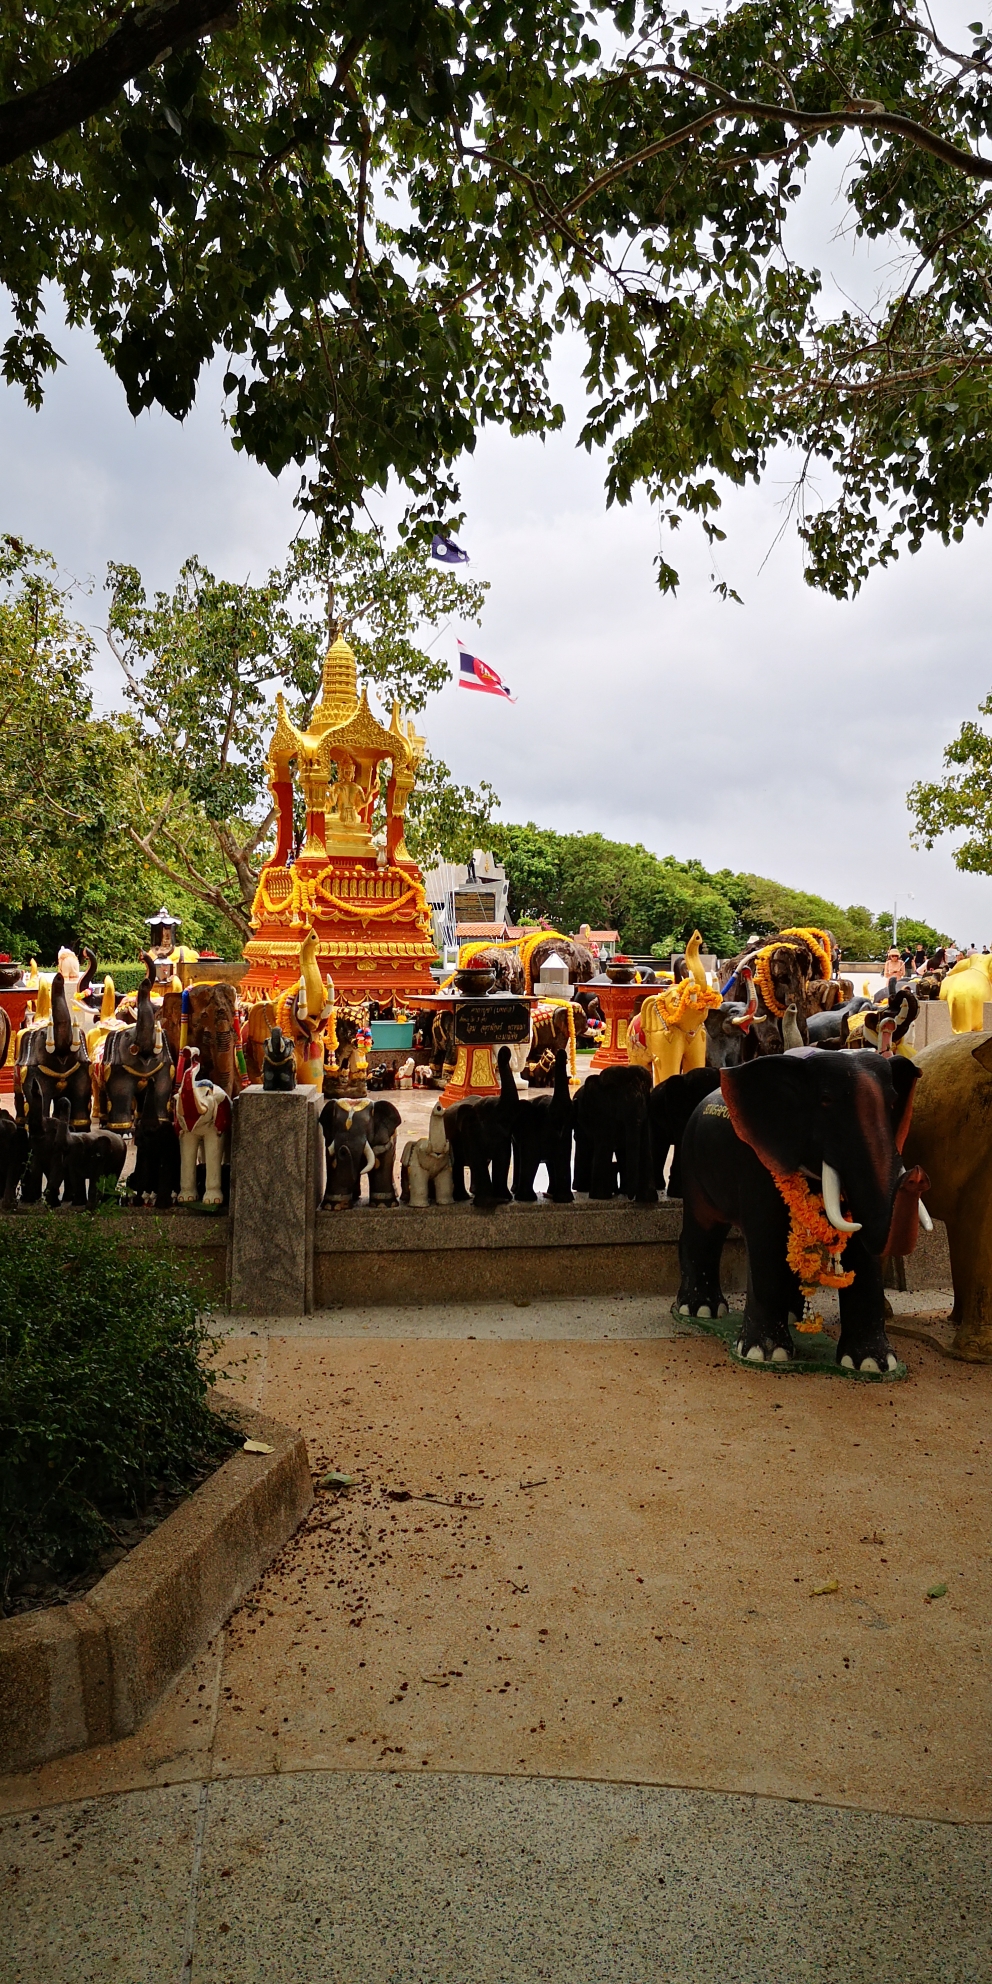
<point>339,689</point>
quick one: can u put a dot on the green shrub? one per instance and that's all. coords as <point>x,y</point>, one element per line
<point>126,977</point>
<point>103,1391</point>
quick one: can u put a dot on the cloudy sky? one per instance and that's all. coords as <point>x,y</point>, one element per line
<point>779,736</point>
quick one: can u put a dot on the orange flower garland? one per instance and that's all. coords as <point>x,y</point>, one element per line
<point>814,1246</point>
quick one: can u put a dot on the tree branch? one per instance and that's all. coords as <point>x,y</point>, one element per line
<point>37,117</point>
<point>192,882</point>
<point>730,108</point>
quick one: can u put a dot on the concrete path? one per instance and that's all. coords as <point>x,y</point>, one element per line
<point>373,1878</point>
<point>618,1662</point>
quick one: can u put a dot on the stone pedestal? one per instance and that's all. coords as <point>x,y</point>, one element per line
<point>277,1181</point>
<point>932,1023</point>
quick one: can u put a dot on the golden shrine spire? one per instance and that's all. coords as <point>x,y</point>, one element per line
<point>339,689</point>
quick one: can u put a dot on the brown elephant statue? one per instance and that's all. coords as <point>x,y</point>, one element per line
<point>212,1027</point>
<point>950,1135</point>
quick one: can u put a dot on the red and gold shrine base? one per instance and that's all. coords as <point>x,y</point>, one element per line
<point>14,1005</point>
<point>475,1074</point>
<point>619,1004</point>
<point>373,925</point>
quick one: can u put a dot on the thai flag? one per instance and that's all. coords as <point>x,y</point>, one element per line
<point>474,674</point>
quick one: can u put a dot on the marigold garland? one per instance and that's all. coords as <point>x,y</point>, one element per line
<point>686,998</point>
<point>814,1247</point>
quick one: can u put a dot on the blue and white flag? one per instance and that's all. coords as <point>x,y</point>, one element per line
<point>447,552</point>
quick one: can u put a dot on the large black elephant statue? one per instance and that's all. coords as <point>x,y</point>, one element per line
<point>481,1137</point>
<point>670,1106</point>
<point>54,1053</point>
<point>132,1059</point>
<point>837,1121</point>
<point>360,1142</point>
<point>613,1137</point>
<point>542,1134</point>
<point>13,1157</point>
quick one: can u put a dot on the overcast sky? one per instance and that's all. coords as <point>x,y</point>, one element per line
<point>779,736</point>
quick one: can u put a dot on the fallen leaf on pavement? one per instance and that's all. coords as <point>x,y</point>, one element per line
<point>821,1590</point>
<point>335,1480</point>
<point>257,1447</point>
<point>937,1591</point>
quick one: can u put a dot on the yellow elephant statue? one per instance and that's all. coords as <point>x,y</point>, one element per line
<point>673,1022</point>
<point>967,989</point>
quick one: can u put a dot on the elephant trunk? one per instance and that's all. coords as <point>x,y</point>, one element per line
<point>61,1023</point>
<point>831,1201</point>
<point>144,1028</point>
<point>87,977</point>
<point>509,1099</point>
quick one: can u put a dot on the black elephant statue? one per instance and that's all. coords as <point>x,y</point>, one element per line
<point>481,1137</point>
<point>360,1142</point>
<point>670,1106</point>
<point>278,1063</point>
<point>781,1125</point>
<point>155,1179</point>
<point>833,1025</point>
<point>13,1157</point>
<point>542,1134</point>
<point>133,1059</point>
<point>77,1160</point>
<point>613,1137</point>
<point>54,1053</point>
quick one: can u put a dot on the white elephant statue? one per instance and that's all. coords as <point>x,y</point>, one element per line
<point>426,1159</point>
<point>203,1117</point>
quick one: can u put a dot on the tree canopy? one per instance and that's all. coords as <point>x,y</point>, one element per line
<point>961,802</point>
<point>655,902</point>
<point>382,214</point>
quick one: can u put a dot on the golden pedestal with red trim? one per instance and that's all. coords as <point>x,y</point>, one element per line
<point>619,1004</point>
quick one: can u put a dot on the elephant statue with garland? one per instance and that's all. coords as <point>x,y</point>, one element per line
<point>791,1141</point>
<point>360,1142</point>
<point>425,1166</point>
<point>203,1122</point>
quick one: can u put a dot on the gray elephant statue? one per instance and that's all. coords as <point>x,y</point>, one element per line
<point>360,1142</point>
<point>425,1167</point>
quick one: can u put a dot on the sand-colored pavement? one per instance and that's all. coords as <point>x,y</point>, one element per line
<point>611,1575</point>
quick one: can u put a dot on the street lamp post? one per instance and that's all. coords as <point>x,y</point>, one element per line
<point>895,917</point>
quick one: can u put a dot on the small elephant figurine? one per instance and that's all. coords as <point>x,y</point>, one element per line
<point>278,1063</point>
<point>203,1117</point>
<point>360,1142</point>
<point>425,1165</point>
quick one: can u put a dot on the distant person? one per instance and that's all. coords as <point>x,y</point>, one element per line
<point>920,957</point>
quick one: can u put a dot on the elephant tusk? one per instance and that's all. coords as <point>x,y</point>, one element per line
<point>925,1220</point>
<point>369,1159</point>
<point>831,1201</point>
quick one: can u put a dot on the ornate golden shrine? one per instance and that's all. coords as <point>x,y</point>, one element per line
<point>365,903</point>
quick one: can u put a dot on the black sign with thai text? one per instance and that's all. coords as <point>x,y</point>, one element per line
<point>491,1022</point>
